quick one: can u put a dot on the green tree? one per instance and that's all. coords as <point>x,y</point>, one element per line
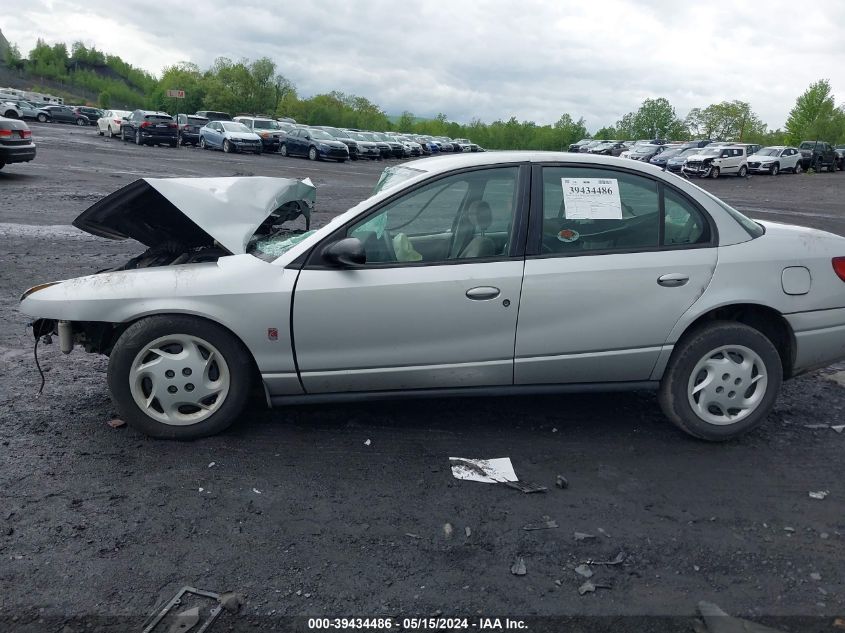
<point>12,57</point>
<point>405,122</point>
<point>605,133</point>
<point>104,99</point>
<point>813,115</point>
<point>728,120</point>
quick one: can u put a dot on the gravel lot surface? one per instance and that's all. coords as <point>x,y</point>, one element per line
<point>293,510</point>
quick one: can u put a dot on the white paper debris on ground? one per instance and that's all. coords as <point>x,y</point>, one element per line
<point>212,464</point>
<point>367,443</point>
<point>488,471</point>
<point>256,491</point>
<point>818,494</point>
<point>838,428</point>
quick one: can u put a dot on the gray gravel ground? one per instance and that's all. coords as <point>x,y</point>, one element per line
<point>98,526</point>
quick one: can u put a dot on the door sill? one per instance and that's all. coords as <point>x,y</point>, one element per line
<point>466,392</point>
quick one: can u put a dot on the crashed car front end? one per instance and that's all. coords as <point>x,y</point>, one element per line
<point>210,247</point>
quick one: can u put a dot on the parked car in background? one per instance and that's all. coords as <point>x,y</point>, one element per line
<point>314,143</point>
<point>345,138</point>
<point>609,148</point>
<point>645,153</point>
<point>16,144</point>
<point>466,145</point>
<point>397,148</point>
<point>428,143</point>
<point>840,156</point>
<point>92,114</point>
<point>715,161</point>
<point>149,127</point>
<point>367,148</point>
<point>230,136</point>
<point>28,109</point>
<point>286,126</point>
<point>10,110</point>
<point>589,146</point>
<point>213,115</point>
<point>189,126</point>
<point>413,293</point>
<point>696,144</point>
<point>268,130</point>
<point>662,158</point>
<point>109,124</point>
<point>576,147</point>
<point>818,155</point>
<point>385,151</point>
<point>772,160</point>
<point>675,162</point>
<point>60,114</point>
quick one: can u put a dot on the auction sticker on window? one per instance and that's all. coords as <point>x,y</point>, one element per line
<point>592,198</point>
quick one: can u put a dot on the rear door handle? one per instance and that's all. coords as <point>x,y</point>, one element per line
<point>673,280</point>
<point>483,293</point>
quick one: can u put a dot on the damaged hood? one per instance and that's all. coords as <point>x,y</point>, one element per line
<point>194,211</point>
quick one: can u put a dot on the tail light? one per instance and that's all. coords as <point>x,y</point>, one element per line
<point>5,133</point>
<point>145,124</point>
<point>171,125</point>
<point>25,133</point>
<point>839,267</point>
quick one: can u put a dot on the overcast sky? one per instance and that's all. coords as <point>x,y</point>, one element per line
<point>487,59</point>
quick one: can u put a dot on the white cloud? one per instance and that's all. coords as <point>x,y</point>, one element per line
<point>488,59</point>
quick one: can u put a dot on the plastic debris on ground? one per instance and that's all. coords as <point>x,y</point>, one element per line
<point>617,560</point>
<point>491,471</point>
<point>838,428</point>
<point>562,482</point>
<point>718,621</point>
<point>198,609</point>
<point>367,442</point>
<point>584,570</point>
<point>256,491</point>
<point>818,494</point>
<point>590,587</point>
<point>116,423</point>
<point>583,536</point>
<point>448,530</point>
<point>518,568</point>
<point>544,525</point>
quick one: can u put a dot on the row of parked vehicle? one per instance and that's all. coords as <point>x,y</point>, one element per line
<point>256,134</point>
<point>15,108</point>
<point>711,159</point>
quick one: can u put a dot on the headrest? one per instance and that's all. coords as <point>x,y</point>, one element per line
<point>480,214</point>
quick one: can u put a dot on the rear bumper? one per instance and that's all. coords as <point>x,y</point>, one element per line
<point>17,153</point>
<point>819,338</point>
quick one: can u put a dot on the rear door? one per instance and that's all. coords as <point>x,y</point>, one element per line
<point>605,282</point>
<point>436,303</point>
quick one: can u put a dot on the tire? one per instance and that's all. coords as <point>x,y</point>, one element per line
<point>43,118</point>
<point>100,132</point>
<point>227,146</point>
<point>123,135</point>
<point>202,143</point>
<point>832,167</point>
<point>743,172</point>
<point>688,369</point>
<point>775,170</point>
<point>714,172</point>
<point>224,394</point>
<point>137,137</point>
<point>798,168</point>
<point>11,114</point>
<point>81,122</point>
<point>283,149</point>
<point>312,153</point>
<point>111,132</point>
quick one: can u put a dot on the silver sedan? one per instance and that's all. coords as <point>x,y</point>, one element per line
<point>472,274</point>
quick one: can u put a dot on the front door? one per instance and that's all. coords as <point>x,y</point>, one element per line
<point>605,283</point>
<point>436,303</point>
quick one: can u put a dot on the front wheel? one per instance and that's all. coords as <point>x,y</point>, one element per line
<point>227,146</point>
<point>202,143</point>
<point>312,153</point>
<point>100,132</point>
<point>42,118</point>
<point>283,150</point>
<point>137,137</point>
<point>81,122</point>
<point>775,169</point>
<point>714,172</point>
<point>797,169</point>
<point>721,381</point>
<point>179,377</point>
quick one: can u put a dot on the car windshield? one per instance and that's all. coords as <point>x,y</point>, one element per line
<point>161,118</point>
<point>392,176</point>
<point>196,120</point>
<point>645,149</point>
<point>335,132</point>
<point>234,126</point>
<point>669,153</point>
<point>808,145</point>
<point>320,135</point>
<point>711,152</point>
<point>265,124</point>
<point>768,151</point>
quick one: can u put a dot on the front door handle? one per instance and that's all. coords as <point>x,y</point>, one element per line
<point>673,280</point>
<point>483,293</point>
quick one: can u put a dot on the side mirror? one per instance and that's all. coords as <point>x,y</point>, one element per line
<point>125,118</point>
<point>346,253</point>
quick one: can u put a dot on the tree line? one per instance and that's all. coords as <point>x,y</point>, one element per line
<point>256,87</point>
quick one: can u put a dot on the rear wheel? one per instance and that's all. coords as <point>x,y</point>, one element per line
<point>81,122</point>
<point>797,169</point>
<point>137,137</point>
<point>42,118</point>
<point>100,132</point>
<point>202,143</point>
<point>179,377</point>
<point>722,381</point>
<point>743,172</point>
<point>832,167</point>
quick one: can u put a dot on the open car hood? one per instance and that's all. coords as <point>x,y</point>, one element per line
<point>195,211</point>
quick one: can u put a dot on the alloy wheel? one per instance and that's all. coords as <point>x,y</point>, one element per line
<point>727,384</point>
<point>179,379</point>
